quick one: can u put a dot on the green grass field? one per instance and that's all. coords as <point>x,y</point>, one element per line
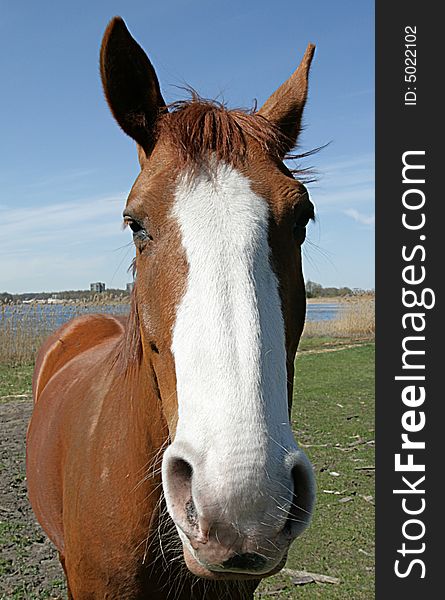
<point>14,381</point>
<point>333,419</point>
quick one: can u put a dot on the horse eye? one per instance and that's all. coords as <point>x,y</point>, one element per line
<point>134,226</point>
<point>139,233</point>
<point>303,220</point>
<point>300,223</point>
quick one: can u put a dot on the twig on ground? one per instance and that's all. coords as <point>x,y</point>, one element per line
<point>314,577</point>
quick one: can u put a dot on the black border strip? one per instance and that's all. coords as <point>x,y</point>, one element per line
<point>409,127</point>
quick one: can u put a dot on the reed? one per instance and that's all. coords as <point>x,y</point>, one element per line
<point>355,319</point>
<point>23,327</point>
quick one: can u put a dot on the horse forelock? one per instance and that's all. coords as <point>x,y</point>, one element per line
<point>198,129</point>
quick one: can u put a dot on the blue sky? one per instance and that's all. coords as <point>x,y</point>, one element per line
<point>66,168</point>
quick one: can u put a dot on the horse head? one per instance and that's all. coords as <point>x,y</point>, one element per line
<point>218,222</point>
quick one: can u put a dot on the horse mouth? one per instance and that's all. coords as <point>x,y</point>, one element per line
<point>224,573</point>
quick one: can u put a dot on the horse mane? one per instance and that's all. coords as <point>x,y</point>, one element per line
<point>198,129</point>
<point>128,352</point>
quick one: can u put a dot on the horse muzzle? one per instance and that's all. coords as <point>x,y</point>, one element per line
<point>234,526</point>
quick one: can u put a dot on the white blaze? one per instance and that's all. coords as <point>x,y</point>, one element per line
<point>228,339</point>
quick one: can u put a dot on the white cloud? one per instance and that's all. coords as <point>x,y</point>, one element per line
<point>349,182</point>
<point>64,245</point>
<point>341,198</point>
<point>69,222</point>
<point>348,164</point>
<point>59,179</point>
<point>360,217</point>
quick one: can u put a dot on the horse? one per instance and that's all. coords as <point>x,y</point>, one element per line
<point>160,457</point>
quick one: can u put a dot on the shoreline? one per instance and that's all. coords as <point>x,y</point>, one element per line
<point>338,299</point>
<point>325,300</point>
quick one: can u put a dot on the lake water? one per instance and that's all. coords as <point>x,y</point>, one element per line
<point>51,316</point>
<point>48,317</point>
<point>323,311</point>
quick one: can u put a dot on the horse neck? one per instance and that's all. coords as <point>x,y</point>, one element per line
<point>140,407</point>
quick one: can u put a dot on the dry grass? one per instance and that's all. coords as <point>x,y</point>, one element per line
<point>356,318</point>
<point>23,327</point>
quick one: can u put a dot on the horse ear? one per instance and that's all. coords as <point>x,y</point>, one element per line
<point>285,107</point>
<point>130,84</point>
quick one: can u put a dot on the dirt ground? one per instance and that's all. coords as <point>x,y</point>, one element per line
<point>29,567</point>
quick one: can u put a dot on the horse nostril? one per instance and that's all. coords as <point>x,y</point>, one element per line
<point>181,469</point>
<point>245,562</point>
<point>179,474</point>
<point>303,498</point>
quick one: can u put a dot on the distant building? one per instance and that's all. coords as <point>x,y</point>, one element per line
<point>97,287</point>
<point>130,287</point>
